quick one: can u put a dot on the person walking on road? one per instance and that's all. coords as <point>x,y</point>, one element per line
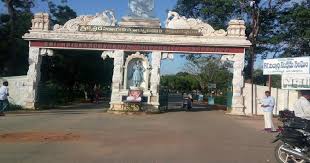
<point>189,101</point>
<point>4,93</point>
<point>268,103</point>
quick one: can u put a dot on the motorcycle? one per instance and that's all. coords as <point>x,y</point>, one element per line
<point>293,139</point>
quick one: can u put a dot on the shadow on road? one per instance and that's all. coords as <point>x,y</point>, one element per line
<point>77,108</point>
<point>197,107</point>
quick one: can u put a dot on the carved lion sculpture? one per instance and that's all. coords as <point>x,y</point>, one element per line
<point>175,21</point>
<point>106,18</point>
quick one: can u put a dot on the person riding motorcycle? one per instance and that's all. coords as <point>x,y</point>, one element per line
<point>302,105</point>
<point>294,136</point>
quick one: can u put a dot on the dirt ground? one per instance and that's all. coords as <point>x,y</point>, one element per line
<point>89,134</point>
<point>38,137</point>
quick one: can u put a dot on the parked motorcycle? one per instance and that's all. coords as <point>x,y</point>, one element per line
<point>293,139</point>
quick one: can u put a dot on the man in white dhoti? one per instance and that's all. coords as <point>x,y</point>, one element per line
<point>302,105</point>
<point>268,103</point>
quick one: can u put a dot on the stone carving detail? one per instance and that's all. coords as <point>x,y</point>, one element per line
<point>168,56</point>
<point>175,21</point>
<point>47,52</point>
<point>107,54</point>
<point>40,22</point>
<point>236,28</point>
<point>106,18</point>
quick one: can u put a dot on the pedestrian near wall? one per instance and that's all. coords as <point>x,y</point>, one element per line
<point>268,104</point>
<point>4,93</point>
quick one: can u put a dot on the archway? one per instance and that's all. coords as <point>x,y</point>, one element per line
<point>74,76</point>
<point>182,35</point>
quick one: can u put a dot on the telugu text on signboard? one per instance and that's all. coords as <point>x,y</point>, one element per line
<point>300,65</point>
<point>138,30</point>
<point>296,81</point>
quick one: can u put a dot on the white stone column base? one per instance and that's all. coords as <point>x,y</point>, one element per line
<point>237,110</point>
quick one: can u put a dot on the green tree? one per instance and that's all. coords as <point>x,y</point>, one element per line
<point>183,82</point>
<point>60,14</point>
<point>209,70</point>
<point>13,25</point>
<point>294,34</point>
<point>274,27</point>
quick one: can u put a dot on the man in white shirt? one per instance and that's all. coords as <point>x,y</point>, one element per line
<point>268,103</point>
<point>4,93</point>
<point>302,105</point>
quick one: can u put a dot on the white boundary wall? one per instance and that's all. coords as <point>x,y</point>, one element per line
<point>284,98</point>
<point>17,89</point>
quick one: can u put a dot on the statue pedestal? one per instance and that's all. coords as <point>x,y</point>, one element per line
<point>140,22</point>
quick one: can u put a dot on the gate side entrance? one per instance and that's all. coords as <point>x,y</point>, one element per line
<point>137,51</point>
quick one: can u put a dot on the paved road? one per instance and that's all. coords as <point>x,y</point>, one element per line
<point>66,136</point>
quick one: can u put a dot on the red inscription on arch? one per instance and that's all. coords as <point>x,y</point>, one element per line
<point>137,47</point>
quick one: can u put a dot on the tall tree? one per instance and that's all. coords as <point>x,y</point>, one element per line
<point>268,23</point>
<point>215,12</point>
<point>61,13</point>
<point>294,34</point>
<point>14,22</point>
<point>209,70</point>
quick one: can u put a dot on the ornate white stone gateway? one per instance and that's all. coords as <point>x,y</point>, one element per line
<point>137,56</point>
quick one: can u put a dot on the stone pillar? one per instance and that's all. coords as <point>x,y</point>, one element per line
<point>116,99</point>
<point>155,78</point>
<point>238,85</point>
<point>34,74</point>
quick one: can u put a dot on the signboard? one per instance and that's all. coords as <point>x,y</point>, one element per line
<point>138,30</point>
<point>211,86</point>
<point>300,65</point>
<point>296,81</point>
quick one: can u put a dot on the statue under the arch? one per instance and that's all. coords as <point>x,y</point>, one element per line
<point>138,74</point>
